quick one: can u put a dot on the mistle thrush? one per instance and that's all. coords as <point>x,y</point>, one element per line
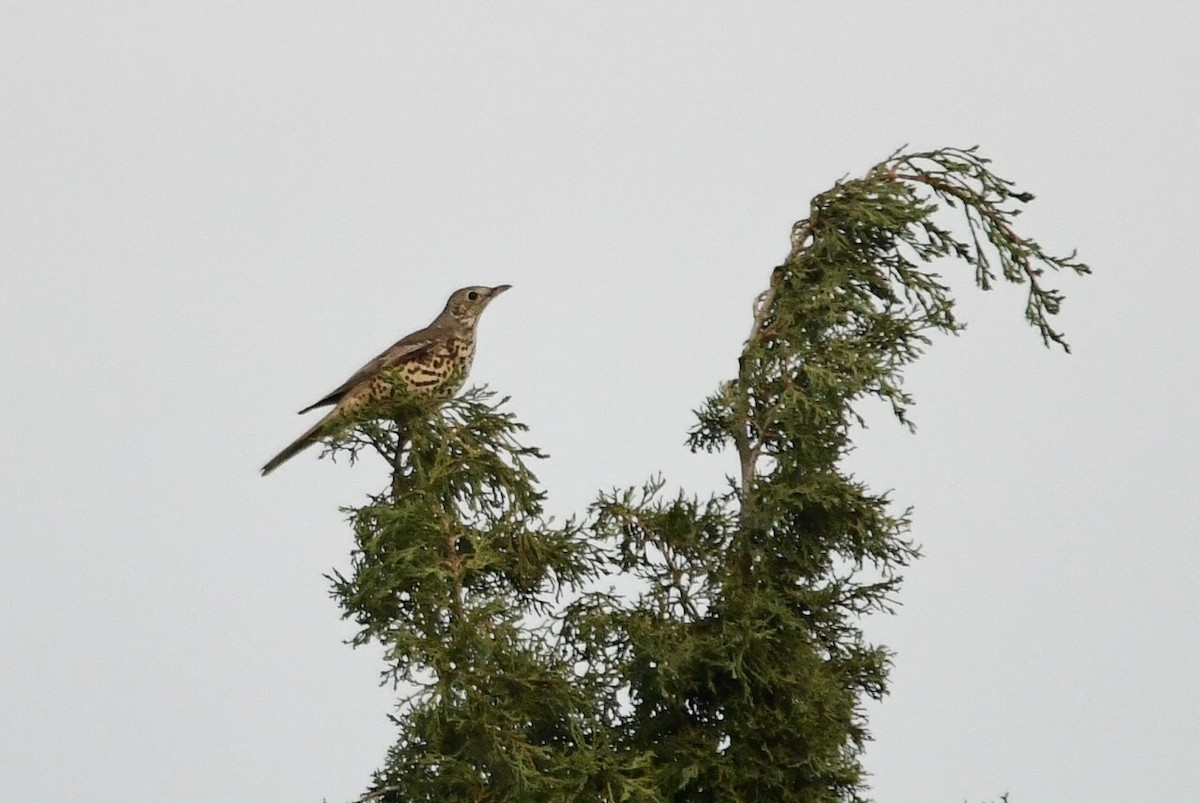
<point>432,362</point>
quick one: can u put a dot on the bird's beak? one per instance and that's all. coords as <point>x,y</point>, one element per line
<point>500,288</point>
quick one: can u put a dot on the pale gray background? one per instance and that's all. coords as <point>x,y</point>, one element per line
<point>211,213</point>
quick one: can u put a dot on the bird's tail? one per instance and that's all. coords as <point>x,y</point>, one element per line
<point>318,431</point>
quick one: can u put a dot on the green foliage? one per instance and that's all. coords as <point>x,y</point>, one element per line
<point>453,568</point>
<point>737,669</point>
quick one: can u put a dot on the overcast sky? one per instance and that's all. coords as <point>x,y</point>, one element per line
<point>212,213</point>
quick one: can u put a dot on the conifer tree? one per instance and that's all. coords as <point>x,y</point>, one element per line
<point>739,669</point>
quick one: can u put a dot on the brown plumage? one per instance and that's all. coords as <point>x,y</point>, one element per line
<point>432,362</point>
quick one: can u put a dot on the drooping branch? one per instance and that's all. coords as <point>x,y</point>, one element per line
<point>960,176</point>
<point>858,229</point>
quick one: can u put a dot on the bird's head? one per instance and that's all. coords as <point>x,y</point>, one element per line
<point>466,304</point>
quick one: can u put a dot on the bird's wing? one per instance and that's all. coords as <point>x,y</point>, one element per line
<point>400,352</point>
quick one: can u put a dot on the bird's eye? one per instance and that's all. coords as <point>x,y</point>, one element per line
<point>472,296</point>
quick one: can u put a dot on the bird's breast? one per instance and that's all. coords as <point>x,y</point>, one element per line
<point>443,369</point>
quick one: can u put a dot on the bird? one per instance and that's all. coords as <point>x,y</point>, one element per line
<point>432,363</point>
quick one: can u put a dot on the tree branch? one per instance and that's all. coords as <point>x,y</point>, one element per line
<point>378,793</point>
<point>748,446</point>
